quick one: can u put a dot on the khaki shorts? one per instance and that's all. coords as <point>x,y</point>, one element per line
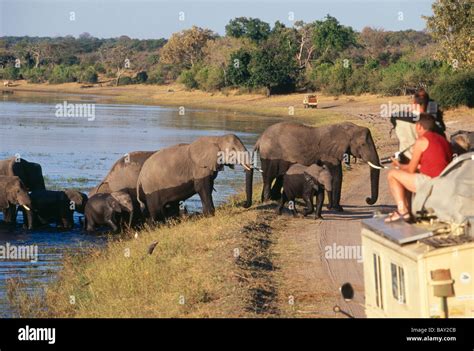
<point>406,135</point>
<point>420,179</point>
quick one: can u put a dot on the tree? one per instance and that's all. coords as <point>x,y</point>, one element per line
<point>186,47</point>
<point>306,44</point>
<point>374,42</point>
<point>273,66</point>
<point>118,58</point>
<point>452,26</point>
<point>238,73</point>
<point>218,52</point>
<point>252,28</point>
<point>331,38</point>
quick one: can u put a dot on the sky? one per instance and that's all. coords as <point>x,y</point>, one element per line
<point>151,19</point>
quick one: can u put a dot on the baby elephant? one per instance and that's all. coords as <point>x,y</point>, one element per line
<point>107,209</point>
<point>51,207</point>
<point>305,182</point>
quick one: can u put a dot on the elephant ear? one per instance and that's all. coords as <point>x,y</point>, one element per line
<point>314,171</point>
<point>114,204</point>
<point>203,153</point>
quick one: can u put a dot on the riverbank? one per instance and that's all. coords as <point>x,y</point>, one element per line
<point>222,266</point>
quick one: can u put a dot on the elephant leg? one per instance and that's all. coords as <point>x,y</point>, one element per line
<point>335,197</point>
<point>9,214</point>
<point>319,203</point>
<point>112,225</point>
<point>270,172</point>
<point>155,209</point>
<point>283,200</point>
<point>275,192</point>
<point>89,224</point>
<point>337,186</point>
<point>308,199</point>
<point>204,188</point>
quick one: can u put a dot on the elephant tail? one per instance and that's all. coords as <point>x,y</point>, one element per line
<point>139,194</point>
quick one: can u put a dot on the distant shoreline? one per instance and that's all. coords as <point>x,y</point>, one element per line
<point>331,109</point>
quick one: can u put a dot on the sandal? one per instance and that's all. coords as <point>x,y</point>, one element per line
<point>391,217</point>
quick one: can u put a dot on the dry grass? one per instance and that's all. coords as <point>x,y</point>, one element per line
<point>192,272</point>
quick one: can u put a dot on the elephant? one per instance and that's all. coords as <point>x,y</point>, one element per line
<point>178,172</point>
<point>30,174</point>
<point>304,182</point>
<point>52,207</point>
<point>102,209</point>
<point>13,193</point>
<point>286,143</point>
<point>126,205</point>
<point>123,177</point>
<point>77,200</point>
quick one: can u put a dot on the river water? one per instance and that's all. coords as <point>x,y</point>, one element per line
<point>77,152</point>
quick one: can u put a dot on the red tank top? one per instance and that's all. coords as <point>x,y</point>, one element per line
<point>437,155</point>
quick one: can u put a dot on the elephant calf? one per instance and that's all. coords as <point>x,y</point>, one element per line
<point>14,193</point>
<point>304,182</point>
<point>107,209</point>
<point>51,207</point>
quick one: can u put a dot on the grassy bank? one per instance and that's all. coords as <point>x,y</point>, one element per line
<point>201,267</point>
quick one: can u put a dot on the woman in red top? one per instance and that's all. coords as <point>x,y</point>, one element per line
<point>431,154</point>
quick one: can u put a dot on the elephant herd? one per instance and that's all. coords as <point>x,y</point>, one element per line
<point>152,185</point>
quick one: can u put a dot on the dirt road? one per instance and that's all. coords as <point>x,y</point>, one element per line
<point>325,254</point>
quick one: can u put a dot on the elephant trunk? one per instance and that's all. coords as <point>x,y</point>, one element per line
<point>29,218</point>
<point>248,187</point>
<point>373,159</point>
<point>374,186</point>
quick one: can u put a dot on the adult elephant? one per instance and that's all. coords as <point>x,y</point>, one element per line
<point>176,173</point>
<point>123,177</point>
<point>286,143</point>
<point>30,174</point>
<point>13,193</point>
<point>124,174</point>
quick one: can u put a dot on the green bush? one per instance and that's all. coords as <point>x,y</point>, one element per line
<point>156,76</point>
<point>187,78</point>
<point>10,73</point>
<point>99,68</point>
<point>209,78</point>
<point>35,75</point>
<point>89,75</point>
<point>125,81</point>
<point>141,77</point>
<point>454,90</point>
<point>63,74</point>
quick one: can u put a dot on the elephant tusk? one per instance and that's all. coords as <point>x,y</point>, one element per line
<point>26,207</point>
<point>374,166</point>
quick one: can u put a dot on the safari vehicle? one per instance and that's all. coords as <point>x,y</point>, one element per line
<point>423,269</point>
<point>310,101</point>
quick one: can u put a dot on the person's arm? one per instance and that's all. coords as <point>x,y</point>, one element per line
<point>420,146</point>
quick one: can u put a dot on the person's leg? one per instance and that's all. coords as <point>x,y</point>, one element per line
<point>399,182</point>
